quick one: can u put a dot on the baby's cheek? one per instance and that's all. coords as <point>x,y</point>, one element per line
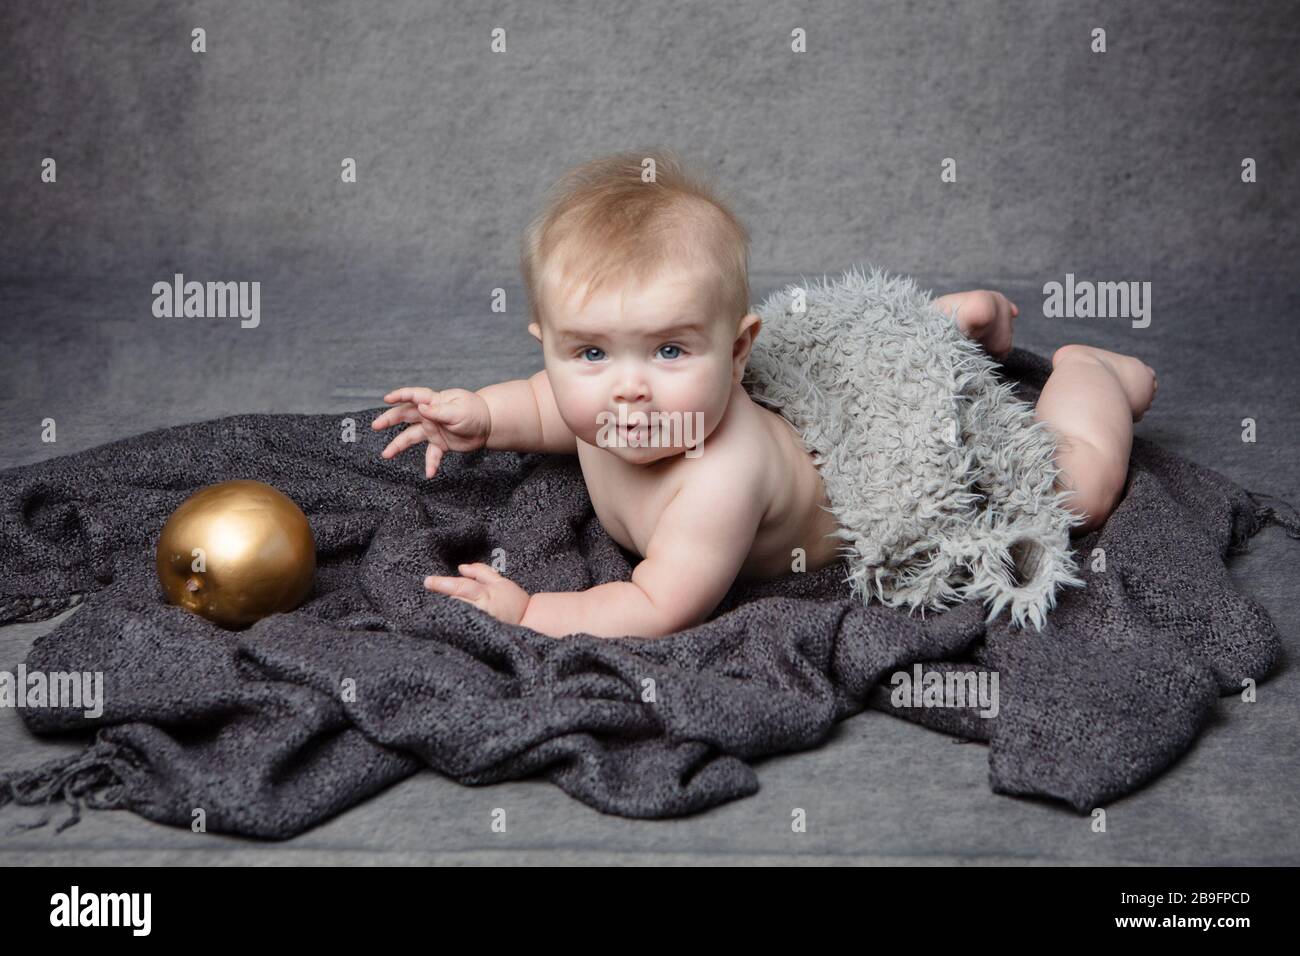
<point>713,400</point>
<point>581,418</point>
<point>695,395</point>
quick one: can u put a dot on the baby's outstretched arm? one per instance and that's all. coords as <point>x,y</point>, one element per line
<point>519,415</point>
<point>699,546</point>
<point>692,559</point>
<point>524,417</point>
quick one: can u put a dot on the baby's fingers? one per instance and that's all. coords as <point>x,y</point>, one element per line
<point>463,588</point>
<point>410,436</point>
<point>432,458</point>
<point>414,394</point>
<point>437,448</point>
<point>479,572</point>
<point>389,418</point>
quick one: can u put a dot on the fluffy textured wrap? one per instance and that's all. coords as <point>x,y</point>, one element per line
<point>940,478</point>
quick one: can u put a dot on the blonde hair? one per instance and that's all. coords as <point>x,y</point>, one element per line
<point>603,223</point>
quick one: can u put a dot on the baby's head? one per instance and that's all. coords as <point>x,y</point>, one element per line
<point>639,294</point>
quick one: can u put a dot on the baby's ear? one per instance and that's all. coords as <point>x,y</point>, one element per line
<point>535,330</point>
<point>745,335</point>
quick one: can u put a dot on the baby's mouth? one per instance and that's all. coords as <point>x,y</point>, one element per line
<point>639,433</point>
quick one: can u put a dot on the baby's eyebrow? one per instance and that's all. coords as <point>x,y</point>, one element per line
<point>676,329</point>
<point>566,337</point>
<point>681,328</point>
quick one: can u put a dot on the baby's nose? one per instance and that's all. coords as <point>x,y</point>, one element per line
<point>632,389</point>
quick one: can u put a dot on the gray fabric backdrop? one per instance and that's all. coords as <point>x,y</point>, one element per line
<point>225,166</point>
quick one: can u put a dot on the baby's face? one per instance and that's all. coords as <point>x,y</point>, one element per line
<point>662,347</point>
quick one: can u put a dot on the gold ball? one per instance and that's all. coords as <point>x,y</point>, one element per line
<point>235,552</point>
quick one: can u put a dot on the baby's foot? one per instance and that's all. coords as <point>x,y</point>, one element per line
<point>1136,377</point>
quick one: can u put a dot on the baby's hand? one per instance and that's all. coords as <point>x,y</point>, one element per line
<point>451,420</point>
<point>984,317</point>
<point>485,588</point>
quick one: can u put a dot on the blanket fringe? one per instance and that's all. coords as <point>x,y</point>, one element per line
<point>27,609</point>
<point>1266,514</point>
<point>89,775</point>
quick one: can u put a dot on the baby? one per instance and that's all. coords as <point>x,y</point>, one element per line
<point>640,299</point>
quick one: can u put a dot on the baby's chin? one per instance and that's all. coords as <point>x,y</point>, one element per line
<point>640,454</point>
<point>645,456</point>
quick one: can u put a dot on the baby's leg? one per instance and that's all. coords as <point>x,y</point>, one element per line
<point>1091,401</point>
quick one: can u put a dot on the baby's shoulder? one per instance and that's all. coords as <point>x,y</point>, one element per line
<point>742,452</point>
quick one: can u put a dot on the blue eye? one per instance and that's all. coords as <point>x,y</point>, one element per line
<point>678,349</point>
<point>593,348</point>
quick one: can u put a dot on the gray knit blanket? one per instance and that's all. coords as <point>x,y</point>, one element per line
<point>941,480</point>
<point>274,729</point>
